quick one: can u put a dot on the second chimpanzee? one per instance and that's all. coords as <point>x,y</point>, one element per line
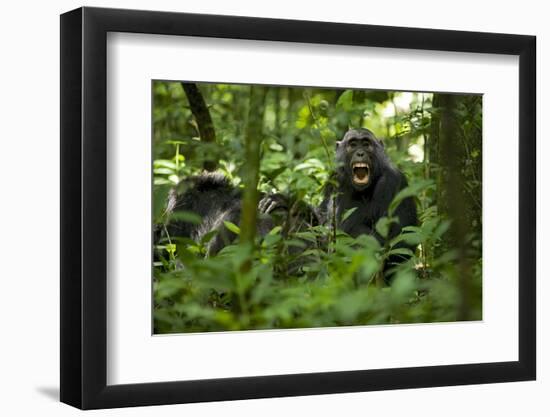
<point>215,200</point>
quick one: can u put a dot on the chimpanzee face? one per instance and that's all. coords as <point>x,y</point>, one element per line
<point>358,154</point>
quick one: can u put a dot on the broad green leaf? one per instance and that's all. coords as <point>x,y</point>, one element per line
<point>412,190</point>
<point>160,196</point>
<point>411,238</point>
<point>345,101</point>
<point>383,225</point>
<point>164,163</point>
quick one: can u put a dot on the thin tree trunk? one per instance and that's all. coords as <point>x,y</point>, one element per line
<point>202,117</point>
<point>253,140</point>
<point>455,204</point>
<point>433,149</point>
<point>277,110</point>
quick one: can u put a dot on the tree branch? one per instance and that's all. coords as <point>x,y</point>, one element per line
<point>202,117</point>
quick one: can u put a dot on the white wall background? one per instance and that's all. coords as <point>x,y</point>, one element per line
<point>29,218</point>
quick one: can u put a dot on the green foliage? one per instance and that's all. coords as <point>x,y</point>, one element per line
<point>296,279</point>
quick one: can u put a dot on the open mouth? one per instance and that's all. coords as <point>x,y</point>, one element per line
<point>360,173</point>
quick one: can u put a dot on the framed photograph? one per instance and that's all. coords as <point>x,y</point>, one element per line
<point>258,208</point>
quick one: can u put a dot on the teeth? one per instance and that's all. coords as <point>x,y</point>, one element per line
<point>363,179</point>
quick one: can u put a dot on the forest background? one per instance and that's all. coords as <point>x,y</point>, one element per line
<point>285,137</point>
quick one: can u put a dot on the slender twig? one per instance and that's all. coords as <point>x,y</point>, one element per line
<point>318,126</point>
<point>330,164</point>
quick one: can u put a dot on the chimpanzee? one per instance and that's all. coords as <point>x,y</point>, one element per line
<point>215,200</point>
<point>365,179</point>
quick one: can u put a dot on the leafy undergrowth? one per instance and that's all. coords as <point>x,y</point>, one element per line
<point>303,281</point>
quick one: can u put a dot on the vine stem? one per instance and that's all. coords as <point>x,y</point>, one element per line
<point>318,126</point>
<point>329,162</point>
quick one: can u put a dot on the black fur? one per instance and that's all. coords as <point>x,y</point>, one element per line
<point>371,199</point>
<point>215,200</point>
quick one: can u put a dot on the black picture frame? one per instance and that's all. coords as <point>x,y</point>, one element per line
<point>84,207</point>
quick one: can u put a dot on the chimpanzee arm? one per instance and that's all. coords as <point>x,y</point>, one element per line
<point>297,212</point>
<point>272,202</point>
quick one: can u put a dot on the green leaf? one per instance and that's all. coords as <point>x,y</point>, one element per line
<point>275,230</point>
<point>410,191</point>
<point>411,238</point>
<point>276,147</point>
<point>186,217</point>
<point>163,171</point>
<point>442,228</point>
<point>295,243</point>
<point>383,226</point>
<point>401,251</point>
<point>368,242</point>
<point>348,213</point>
<point>311,237</point>
<point>345,101</point>
<point>309,164</point>
<point>160,195</point>
<point>403,285</point>
<point>271,240</point>
<point>164,163</point>
<point>208,237</point>
<point>232,227</point>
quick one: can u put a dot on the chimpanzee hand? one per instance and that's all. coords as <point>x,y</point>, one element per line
<point>272,202</point>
